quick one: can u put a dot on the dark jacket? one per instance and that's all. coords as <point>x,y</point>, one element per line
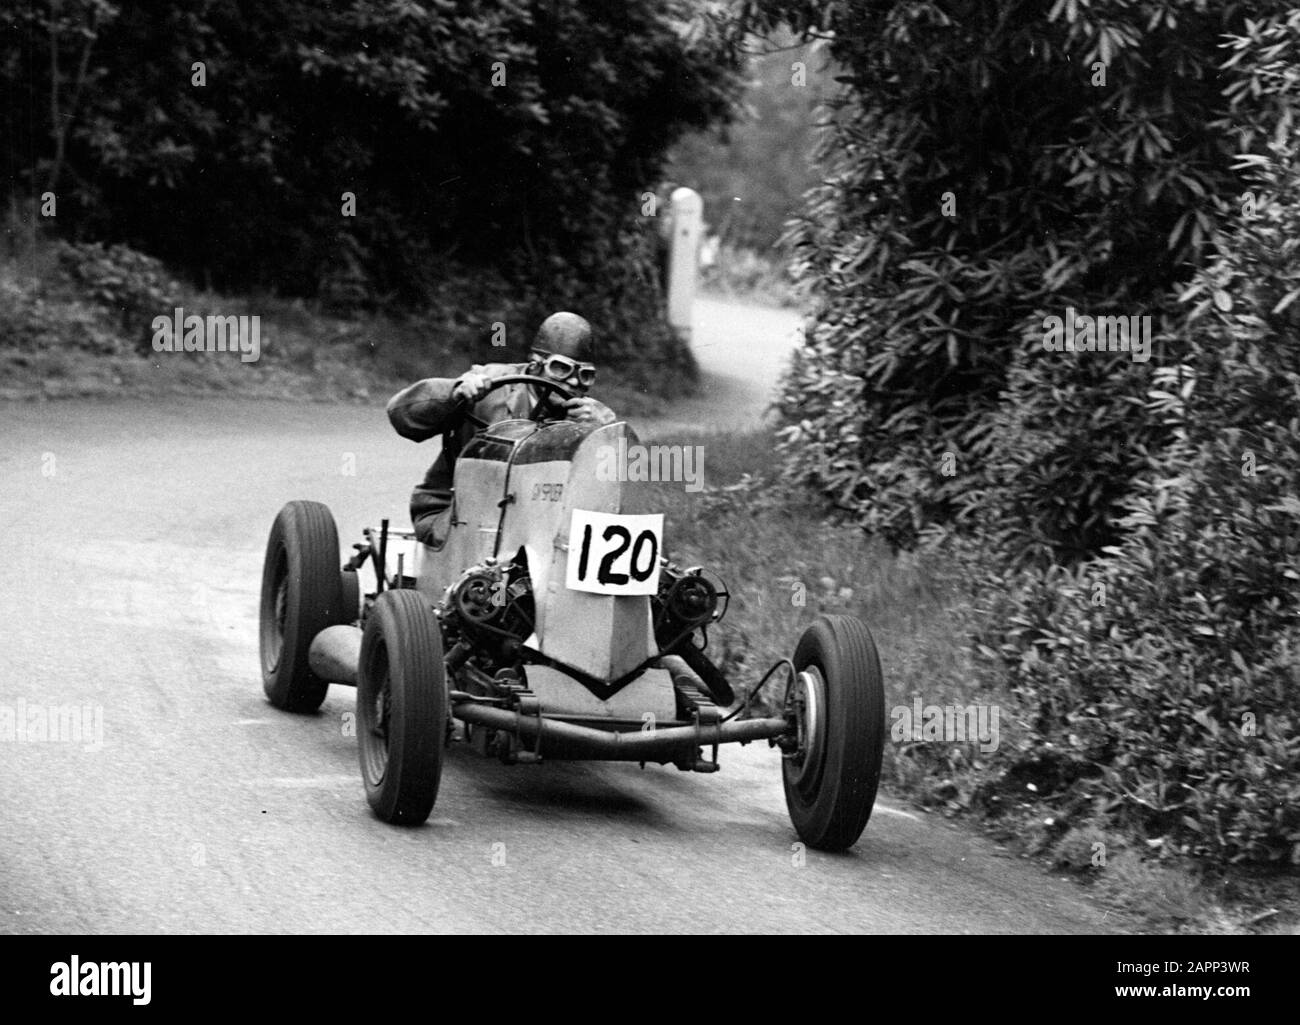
<point>426,410</point>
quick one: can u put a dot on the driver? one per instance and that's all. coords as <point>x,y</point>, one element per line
<point>438,405</point>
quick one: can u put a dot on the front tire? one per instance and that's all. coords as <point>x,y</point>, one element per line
<point>401,708</point>
<point>301,596</point>
<point>838,697</point>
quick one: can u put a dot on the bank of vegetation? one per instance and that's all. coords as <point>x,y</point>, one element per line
<point>1127,531</point>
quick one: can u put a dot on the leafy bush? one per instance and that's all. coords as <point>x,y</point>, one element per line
<point>1134,528</point>
<point>133,285</point>
<point>1176,699</point>
<point>633,344</point>
<point>493,137</point>
<point>932,261</point>
<point>29,323</point>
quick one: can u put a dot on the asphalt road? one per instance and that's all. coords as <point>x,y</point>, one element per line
<point>134,537</point>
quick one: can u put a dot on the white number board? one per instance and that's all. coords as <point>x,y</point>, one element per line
<point>614,554</point>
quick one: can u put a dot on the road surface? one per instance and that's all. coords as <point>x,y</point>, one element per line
<point>741,350</point>
<point>135,533</point>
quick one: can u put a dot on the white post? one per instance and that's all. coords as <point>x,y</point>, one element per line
<point>683,259</point>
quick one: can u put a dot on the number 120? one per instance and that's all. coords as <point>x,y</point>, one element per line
<point>605,572</point>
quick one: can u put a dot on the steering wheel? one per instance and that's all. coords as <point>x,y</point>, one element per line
<point>498,382</point>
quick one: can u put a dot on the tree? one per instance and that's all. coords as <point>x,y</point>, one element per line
<point>992,165</point>
<point>495,137</point>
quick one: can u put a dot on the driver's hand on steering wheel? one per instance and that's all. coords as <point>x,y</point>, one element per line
<point>587,410</point>
<point>471,387</point>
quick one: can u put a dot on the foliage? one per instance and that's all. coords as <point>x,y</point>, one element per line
<point>133,285</point>
<point>33,322</point>
<point>752,175</point>
<point>508,138</point>
<point>749,275</point>
<point>1208,575</point>
<point>933,261</point>
<point>1175,698</point>
<point>63,334</point>
<point>1134,528</point>
<point>84,298</point>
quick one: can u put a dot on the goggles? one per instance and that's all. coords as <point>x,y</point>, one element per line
<point>561,368</point>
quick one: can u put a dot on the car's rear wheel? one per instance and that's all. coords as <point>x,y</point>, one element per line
<point>401,707</point>
<point>838,702</point>
<point>302,594</point>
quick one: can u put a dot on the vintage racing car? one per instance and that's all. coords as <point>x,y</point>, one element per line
<point>549,624</point>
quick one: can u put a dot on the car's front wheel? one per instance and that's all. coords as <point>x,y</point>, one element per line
<point>401,707</point>
<point>837,701</point>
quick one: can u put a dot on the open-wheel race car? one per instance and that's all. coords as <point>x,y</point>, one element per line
<point>546,621</point>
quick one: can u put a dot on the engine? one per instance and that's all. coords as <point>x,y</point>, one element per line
<point>491,607</point>
<point>490,611</point>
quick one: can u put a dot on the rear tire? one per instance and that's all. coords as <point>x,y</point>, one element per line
<point>401,708</point>
<point>301,596</point>
<point>830,783</point>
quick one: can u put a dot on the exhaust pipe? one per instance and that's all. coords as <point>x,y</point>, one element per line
<point>335,654</point>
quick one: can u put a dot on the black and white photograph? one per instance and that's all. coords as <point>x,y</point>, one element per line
<point>651,467</point>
